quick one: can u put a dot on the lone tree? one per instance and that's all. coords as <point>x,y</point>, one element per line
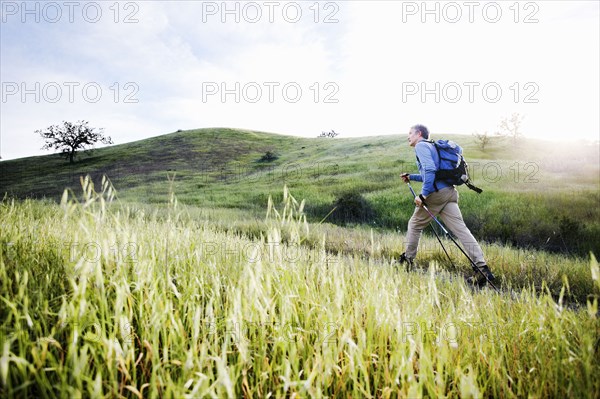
<point>482,139</point>
<point>512,126</point>
<point>70,137</point>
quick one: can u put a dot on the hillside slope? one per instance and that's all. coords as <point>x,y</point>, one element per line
<point>536,193</point>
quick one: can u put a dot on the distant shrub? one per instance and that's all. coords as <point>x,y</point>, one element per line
<point>352,207</point>
<point>268,157</point>
<point>568,227</point>
<point>571,233</point>
<point>330,134</point>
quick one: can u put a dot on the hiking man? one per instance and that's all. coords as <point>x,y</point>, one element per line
<point>442,199</point>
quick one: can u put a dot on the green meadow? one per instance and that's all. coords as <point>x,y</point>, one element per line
<point>537,195</point>
<point>190,265</point>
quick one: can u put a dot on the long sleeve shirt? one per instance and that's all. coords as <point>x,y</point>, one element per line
<point>427,161</point>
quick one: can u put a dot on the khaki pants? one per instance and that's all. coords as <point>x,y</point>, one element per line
<point>445,204</point>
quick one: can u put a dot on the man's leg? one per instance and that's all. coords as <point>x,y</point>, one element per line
<point>453,219</point>
<point>416,224</point>
<point>452,216</point>
<point>420,219</point>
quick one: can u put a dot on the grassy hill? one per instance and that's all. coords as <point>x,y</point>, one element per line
<point>218,292</point>
<point>536,194</point>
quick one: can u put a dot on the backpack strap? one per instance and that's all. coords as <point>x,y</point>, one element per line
<point>472,187</point>
<point>468,183</point>
<point>432,142</point>
<point>435,187</point>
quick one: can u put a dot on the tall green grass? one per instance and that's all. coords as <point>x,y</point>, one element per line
<point>537,194</point>
<point>101,300</point>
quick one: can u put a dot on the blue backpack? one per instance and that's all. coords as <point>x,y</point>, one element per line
<point>452,168</point>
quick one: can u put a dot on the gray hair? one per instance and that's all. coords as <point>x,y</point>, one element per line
<point>423,130</point>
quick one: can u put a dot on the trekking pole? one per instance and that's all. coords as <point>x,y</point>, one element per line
<point>454,241</point>
<point>434,232</point>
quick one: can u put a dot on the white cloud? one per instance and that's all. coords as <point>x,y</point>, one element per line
<point>369,54</point>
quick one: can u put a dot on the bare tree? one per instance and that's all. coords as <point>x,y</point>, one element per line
<point>512,126</point>
<point>69,138</point>
<point>482,139</point>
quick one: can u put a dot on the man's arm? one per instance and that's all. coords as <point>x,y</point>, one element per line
<point>415,177</point>
<point>428,168</point>
<point>408,177</point>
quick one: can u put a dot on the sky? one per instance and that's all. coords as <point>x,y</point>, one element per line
<point>145,68</point>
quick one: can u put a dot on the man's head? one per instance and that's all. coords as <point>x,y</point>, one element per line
<point>416,134</point>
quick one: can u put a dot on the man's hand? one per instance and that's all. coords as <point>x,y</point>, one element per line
<point>420,200</point>
<point>405,177</point>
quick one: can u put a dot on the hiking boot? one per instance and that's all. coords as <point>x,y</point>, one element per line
<point>479,280</point>
<point>405,260</point>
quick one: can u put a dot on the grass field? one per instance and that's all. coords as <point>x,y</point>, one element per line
<point>537,194</point>
<point>101,299</point>
<point>219,283</point>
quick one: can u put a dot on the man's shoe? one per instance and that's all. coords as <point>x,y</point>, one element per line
<point>405,260</point>
<point>479,280</point>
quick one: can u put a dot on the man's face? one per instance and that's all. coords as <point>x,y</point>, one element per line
<point>414,137</point>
